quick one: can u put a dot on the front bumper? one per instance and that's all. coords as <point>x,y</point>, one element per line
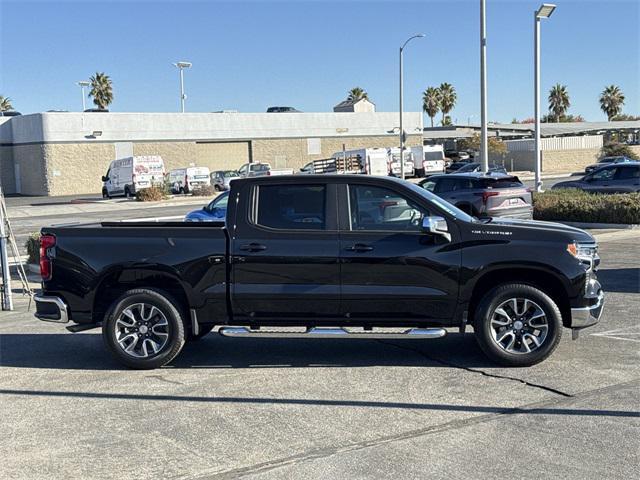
<point>582,317</point>
<point>51,309</point>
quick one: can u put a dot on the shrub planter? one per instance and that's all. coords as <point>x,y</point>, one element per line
<point>572,205</point>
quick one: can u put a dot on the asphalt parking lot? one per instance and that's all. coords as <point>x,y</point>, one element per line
<point>249,408</point>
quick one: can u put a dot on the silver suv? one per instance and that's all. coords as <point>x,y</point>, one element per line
<point>483,195</point>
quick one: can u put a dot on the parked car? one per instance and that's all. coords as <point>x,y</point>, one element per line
<point>221,179</point>
<point>455,166</point>
<point>481,195</point>
<point>476,167</point>
<point>214,211</point>
<point>613,178</point>
<point>126,176</point>
<point>282,110</point>
<point>322,252</point>
<point>456,155</point>
<point>260,169</point>
<point>10,113</point>
<point>606,161</point>
<point>395,167</point>
<point>184,180</point>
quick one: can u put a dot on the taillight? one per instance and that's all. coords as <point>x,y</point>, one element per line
<point>268,173</point>
<point>46,243</point>
<point>486,195</point>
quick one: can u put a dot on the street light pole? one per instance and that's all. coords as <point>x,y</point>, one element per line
<point>420,35</point>
<point>82,84</point>
<point>181,66</point>
<point>545,11</point>
<point>484,149</point>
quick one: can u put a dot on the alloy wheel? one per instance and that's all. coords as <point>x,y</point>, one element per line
<point>142,330</point>
<point>519,326</point>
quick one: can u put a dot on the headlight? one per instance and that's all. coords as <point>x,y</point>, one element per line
<point>587,253</point>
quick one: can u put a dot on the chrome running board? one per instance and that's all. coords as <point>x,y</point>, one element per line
<point>320,332</point>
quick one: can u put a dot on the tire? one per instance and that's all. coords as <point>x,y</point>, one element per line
<point>217,188</point>
<point>127,192</point>
<point>164,328</point>
<point>105,194</point>
<point>203,330</point>
<point>496,320</point>
<point>181,191</point>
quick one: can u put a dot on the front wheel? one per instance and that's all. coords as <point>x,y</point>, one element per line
<point>143,329</point>
<point>517,325</point>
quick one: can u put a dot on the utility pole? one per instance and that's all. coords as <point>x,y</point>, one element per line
<point>484,148</point>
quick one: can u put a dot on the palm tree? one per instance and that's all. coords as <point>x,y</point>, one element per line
<point>5,104</point>
<point>558,101</point>
<point>357,93</point>
<point>101,90</point>
<point>611,101</point>
<point>431,102</point>
<point>448,98</point>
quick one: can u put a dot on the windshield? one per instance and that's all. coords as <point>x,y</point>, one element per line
<point>220,202</point>
<point>433,156</point>
<point>446,206</point>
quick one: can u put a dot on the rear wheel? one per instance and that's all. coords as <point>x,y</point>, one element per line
<point>517,325</point>
<point>127,192</point>
<point>143,329</point>
<point>217,188</point>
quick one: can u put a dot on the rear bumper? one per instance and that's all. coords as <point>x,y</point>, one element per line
<point>51,309</point>
<point>582,317</point>
<point>519,213</point>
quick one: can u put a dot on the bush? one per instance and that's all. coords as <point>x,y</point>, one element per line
<point>151,194</point>
<point>578,206</point>
<point>614,149</point>
<point>32,245</point>
<point>204,191</point>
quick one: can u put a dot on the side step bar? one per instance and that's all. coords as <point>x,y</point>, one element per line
<point>320,332</point>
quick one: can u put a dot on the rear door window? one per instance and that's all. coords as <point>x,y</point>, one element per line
<point>291,207</point>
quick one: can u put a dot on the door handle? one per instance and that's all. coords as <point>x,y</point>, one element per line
<point>253,247</point>
<point>359,247</point>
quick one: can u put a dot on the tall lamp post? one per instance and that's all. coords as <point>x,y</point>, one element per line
<point>181,66</point>
<point>419,35</point>
<point>82,84</point>
<point>545,11</point>
<point>484,148</point>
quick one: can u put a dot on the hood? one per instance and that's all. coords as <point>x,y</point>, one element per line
<point>540,227</point>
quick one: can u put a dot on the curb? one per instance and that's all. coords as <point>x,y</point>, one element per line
<point>598,226</point>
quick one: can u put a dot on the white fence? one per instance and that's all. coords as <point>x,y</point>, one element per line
<point>558,143</point>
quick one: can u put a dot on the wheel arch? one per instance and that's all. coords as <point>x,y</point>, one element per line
<point>542,279</point>
<point>117,281</point>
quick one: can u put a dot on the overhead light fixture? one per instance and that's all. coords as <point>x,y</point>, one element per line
<point>96,133</point>
<point>545,10</point>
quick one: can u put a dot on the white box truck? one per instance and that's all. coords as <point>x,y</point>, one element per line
<point>184,180</point>
<point>428,159</point>
<point>394,162</point>
<point>129,175</point>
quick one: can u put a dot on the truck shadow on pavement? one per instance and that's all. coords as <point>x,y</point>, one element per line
<point>86,351</point>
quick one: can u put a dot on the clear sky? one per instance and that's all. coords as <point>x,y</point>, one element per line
<point>250,55</point>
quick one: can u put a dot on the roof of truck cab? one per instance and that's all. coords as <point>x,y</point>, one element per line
<point>321,178</point>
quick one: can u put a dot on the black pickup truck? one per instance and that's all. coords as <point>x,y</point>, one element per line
<point>331,255</point>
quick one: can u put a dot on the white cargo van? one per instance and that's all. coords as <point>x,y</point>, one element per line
<point>394,162</point>
<point>183,180</point>
<point>428,159</point>
<point>368,161</point>
<point>129,175</point>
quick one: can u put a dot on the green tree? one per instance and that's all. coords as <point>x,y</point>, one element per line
<point>611,101</point>
<point>101,90</point>
<point>448,98</point>
<point>615,149</point>
<point>357,93</point>
<point>473,143</point>
<point>431,102</point>
<point>558,101</point>
<point>446,121</point>
<point>624,117</point>
<point>5,104</point>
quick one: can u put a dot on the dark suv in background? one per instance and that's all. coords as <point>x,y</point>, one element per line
<point>614,178</point>
<point>482,195</point>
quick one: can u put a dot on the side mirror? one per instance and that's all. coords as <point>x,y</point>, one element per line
<point>436,226</point>
<point>104,179</point>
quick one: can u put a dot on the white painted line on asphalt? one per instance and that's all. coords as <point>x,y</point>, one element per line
<point>620,334</point>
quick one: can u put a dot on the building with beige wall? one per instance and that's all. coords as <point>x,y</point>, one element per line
<point>60,153</point>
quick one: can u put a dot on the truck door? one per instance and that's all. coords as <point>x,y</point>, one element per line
<point>285,252</point>
<point>390,268</point>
